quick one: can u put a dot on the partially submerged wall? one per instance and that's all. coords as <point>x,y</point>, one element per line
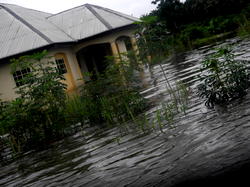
<point>74,77</point>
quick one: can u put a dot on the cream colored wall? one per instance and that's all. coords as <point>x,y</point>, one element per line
<point>73,63</point>
<point>7,83</point>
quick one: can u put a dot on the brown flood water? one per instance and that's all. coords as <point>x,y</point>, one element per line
<point>204,146</point>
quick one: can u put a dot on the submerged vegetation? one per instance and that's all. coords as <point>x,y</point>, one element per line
<point>36,116</point>
<point>176,26</point>
<point>223,78</point>
<point>110,98</point>
<point>43,112</point>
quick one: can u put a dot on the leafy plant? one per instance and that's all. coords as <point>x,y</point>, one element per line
<point>111,97</point>
<point>153,39</point>
<point>223,78</point>
<point>2,108</point>
<point>36,116</point>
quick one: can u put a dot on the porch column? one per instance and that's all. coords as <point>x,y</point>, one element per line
<point>79,79</point>
<point>134,45</point>
<point>117,59</point>
<point>115,51</point>
<point>135,48</point>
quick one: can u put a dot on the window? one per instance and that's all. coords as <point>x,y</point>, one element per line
<point>19,75</point>
<point>61,66</point>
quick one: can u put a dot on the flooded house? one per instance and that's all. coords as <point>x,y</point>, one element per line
<point>78,40</point>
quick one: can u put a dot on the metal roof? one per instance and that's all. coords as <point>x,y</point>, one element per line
<point>23,29</point>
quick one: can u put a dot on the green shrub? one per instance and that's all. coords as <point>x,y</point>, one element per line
<point>36,116</point>
<point>2,108</point>
<point>194,31</point>
<point>111,97</point>
<point>82,109</point>
<point>153,39</point>
<point>223,78</point>
<point>244,22</point>
<point>223,24</point>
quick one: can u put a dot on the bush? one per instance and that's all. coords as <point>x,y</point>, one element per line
<point>2,108</point>
<point>83,109</point>
<point>223,78</point>
<point>244,22</point>
<point>36,116</point>
<point>153,39</point>
<point>194,31</point>
<point>110,98</point>
<point>223,24</point>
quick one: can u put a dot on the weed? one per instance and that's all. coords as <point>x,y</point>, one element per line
<point>223,78</point>
<point>36,116</point>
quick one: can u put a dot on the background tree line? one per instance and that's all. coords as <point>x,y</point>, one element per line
<point>175,14</point>
<point>177,26</point>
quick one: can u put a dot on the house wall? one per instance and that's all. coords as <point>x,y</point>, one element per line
<point>75,77</point>
<point>72,66</point>
<point>117,46</point>
<point>70,52</point>
<point>7,83</point>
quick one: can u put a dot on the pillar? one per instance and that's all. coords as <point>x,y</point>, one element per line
<point>115,51</point>
<point>136,50</point>
<point>134,45</point>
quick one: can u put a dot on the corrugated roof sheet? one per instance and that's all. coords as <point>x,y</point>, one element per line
<point>23,29</point>
<point>16,37</point>
<point>78,22</point>
<point>39,21</point>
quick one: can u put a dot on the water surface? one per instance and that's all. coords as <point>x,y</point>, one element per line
<point>202,143</point>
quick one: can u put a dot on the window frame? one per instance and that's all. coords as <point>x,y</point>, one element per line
<point>61,65</point>
<point>19,75</point>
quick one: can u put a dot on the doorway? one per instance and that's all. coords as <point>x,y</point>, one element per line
<point>92,60</point>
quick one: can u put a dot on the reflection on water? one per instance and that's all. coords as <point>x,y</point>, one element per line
<point>201,142</point>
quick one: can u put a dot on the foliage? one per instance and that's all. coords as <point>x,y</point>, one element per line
<point>171,12</point>
<point>153,39</point>
<point>2,108</point>
<point>165,113</point>
<point>80,109</point>
<point>224,78</point>
<point>158,40</point>
<point>192,32</point>
<point>112,97</point>
<point>176,25</point>
<point>223,24</point>
<point>177,14</point>
<point>36,116</point>
<point>244,22</point>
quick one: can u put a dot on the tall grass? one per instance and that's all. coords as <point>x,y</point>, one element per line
<point>110,99</point>
<point>166,113</point>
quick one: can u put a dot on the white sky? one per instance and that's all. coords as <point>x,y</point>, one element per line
<point>131,7</point>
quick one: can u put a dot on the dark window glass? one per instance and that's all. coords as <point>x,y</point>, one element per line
<point>61,66</point>
<point>19,75</point>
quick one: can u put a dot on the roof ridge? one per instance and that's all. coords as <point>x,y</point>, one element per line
<point>66,10</point>
<point>25,8</point>
<point>27,24</point>
<point>114,12</point>
<point>103,21</point>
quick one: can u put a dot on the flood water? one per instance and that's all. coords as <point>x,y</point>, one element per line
<point>203,144</point>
